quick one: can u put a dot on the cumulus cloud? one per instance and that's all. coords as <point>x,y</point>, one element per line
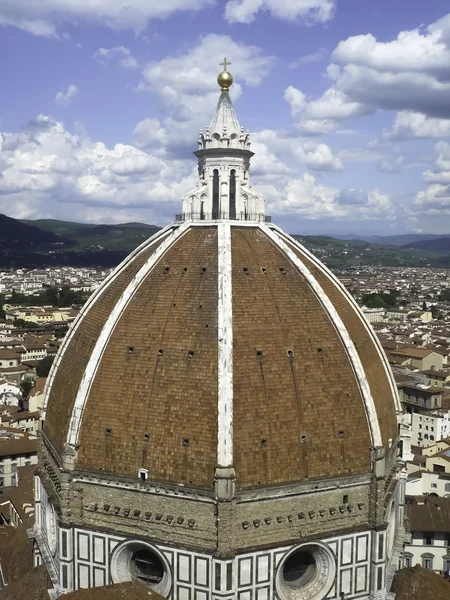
<point>436,196</point>
<point>325,114</point>
<point>46,170</point>
<point>68,95</point>
<point>409,124</point>
<point>289,150</point>
<point>312,200</point>
<point>410,73</point>
<point>307,11</point>
<point>187,90</point>
<point>44,17</point>
<point>120,54</point>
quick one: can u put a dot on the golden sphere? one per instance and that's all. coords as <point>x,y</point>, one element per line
<point>225,80</point>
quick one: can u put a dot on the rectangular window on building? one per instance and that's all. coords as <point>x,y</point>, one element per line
<point>64,577</point>
<point>438,468</point>
<point>218,576</point>
<point>64,544</point>
<point>428,539</point>
<point>434,485</point>
<point>380,545</point>
<point>229,576</point>
<point>427,563</point>
<point>380,578</point>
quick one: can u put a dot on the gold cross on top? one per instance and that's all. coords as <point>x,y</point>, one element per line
<point>225,64</point>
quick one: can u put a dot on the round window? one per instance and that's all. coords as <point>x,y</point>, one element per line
<point>144,563</point>
<point>306,573</point>
<point>299,569</point>
<point>147,566</point>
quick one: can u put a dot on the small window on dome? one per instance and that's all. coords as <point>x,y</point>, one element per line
<point>143,474</point>
<point>108,432</point>
<point>185,442</point>
<point>320,351</point>
<point>130,349</point>
<point>290,353</point>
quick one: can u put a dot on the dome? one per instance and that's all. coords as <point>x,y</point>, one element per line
<point>217,344</point>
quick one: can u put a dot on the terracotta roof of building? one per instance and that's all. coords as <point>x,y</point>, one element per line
<point>12,370</point>
<point>293,381</point>
<point>12,446</point>
<point>16,558</point>
<point>31,585</point>
<point>417,583</point>
<point>436,373</point>
<point>7,353</point>
<point>24,415</point>
<point>432,515</point>
<point>39,386</point>
<point>413,352</point>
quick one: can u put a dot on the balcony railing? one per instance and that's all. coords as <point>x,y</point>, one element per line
<point>216,217</point>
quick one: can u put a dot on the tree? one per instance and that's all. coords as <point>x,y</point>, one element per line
<point>26,386</point>
<point>43,367</point>
<point>424,306</point>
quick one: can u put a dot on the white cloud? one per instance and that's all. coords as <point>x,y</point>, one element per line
<point>119,53</point>
<point>320,158</point>
<point>68,95</point>
<point>44,17</point>
<point>325,114</point>
<point>186,87</point>
<point>436,197</point>
<point>308,11</point>
<point>411,72</point>
<point>46,170</point>
<point>409,124</point>
<point>311,200</point>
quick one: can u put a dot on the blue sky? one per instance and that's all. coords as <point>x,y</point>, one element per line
<point>348,103</point>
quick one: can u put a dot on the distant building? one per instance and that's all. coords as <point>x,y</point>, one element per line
<point>420,358</point>
<point>374,315</point>
<point>17,449</point>
<point>428,520</point>
<point>436,378</point>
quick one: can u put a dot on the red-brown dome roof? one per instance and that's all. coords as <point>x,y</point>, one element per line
<point>221,344</point>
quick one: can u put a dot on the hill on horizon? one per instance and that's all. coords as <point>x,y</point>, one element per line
<point>51,242</point>
<point>122,237</point>
<point>15,234</point>
<point>402,239</point>
<point>440,245</point>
